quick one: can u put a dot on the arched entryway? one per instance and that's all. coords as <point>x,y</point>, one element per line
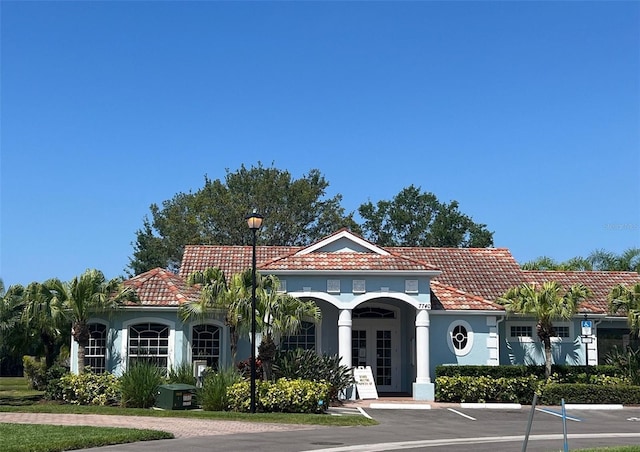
<point>375,342</point>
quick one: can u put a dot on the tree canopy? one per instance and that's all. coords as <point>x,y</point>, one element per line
<point>297,213</point>
<point>598,260</point>
<point>416,218</point>
<point>298,210</point>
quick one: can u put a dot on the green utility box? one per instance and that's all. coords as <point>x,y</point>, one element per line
<point>176,397</point>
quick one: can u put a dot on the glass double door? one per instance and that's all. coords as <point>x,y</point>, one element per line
<point>376,345</point>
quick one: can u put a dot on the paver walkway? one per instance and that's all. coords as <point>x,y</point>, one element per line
<point>180,427</point>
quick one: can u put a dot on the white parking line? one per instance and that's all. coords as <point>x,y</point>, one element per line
<point>461,414</point>
<point>555,413</point>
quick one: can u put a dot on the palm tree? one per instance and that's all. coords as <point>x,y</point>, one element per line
<point>217,296</point>
<point>42,315</point>
<point>12,331</point>
<point>84,296</point>
<point>281,315</point>
<point>627,299</point>
<point>628,261</point>
<point>277,315</point>
<point>546,303</point>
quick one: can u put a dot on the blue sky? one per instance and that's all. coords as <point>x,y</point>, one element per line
<point>526,113</point>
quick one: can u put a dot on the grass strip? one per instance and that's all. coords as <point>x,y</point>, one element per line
<point>56,438</point>
<point>280,418</point>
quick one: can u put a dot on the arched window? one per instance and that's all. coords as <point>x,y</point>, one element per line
<point>95,352</point>
<point>205,344</point>
<point>306,338</point>
<point>149,342</point>
<point>460,337</point>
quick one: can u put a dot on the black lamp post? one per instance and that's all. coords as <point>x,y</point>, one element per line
<point>254,221</point>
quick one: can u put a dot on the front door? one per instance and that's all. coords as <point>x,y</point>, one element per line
<point>375,343</point>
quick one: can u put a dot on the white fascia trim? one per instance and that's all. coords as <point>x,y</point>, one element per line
<point>430,273</point>
<point>343,234</point>
<point>449,312</point>
<point>149,307</point>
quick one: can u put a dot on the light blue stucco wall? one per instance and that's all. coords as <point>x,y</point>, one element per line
<point>531,351</point>
<point>441,349</point>
<point>180,333</point>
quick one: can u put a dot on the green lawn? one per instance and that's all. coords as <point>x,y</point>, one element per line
<point>55,438</point>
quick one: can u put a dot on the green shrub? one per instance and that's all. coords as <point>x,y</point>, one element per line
<point>486,389</point>
<point>35,371</point>
<point>54,390</point>
<point>552,394</point>
<point>308,365</point>
<point>89,389</point>
<point>283,395</point>
<point>139,385</point>
<point>627,362</point>
<point>562,373</point>
<point>182,374</point>
<point>213,394</point>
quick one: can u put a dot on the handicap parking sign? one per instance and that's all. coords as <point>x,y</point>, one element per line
<point>586,327</point>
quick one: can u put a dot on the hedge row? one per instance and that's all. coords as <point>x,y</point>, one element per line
<point>486,389</point>
<point>553,393</point>
<point>564,373</point>
<point>521,390</point>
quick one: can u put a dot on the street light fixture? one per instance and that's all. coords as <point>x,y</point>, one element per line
<point>254,221</point>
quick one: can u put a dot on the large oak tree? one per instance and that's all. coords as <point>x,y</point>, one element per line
<point>298,212</point>
<point>416,218</point>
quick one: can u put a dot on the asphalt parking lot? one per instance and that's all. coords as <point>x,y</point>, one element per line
<point>452,429</point>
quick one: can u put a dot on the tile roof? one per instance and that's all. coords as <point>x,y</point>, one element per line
<point>599,282</point>
<point>230,259</point>
<point>345,261</point>
<point>445,297</point>
<point>486,272</point>
<point>471,278</point>
<point>159,287</point>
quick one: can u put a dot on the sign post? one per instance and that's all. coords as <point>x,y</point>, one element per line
<point>586,337</point>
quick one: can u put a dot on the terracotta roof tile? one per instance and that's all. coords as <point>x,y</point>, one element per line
<point>599,282</point>
<point>449,298</point>
<point>485,272</point>
<point>159,287</point>
<point>345,261</point>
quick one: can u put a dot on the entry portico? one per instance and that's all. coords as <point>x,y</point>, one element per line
<point>375,294</point>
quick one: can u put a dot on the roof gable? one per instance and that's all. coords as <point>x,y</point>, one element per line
<point>343,241</point>
<point>159,287</point>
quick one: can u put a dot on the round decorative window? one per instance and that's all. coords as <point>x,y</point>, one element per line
<point>460,337</point>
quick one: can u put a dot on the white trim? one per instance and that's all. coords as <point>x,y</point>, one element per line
<point>526,339</point>
<point>343,234</point>
<point>224,333</point>
<point>347,273</point>
<point>124,350</point>
<point>467,349</point>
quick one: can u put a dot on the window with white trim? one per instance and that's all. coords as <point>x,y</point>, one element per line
<point>95,352</point>
<point>516,331</point>
<point>149,342</point>
<point>460,337</point>
<point>563,331</point>
<point>305,338</point>
<point>205,344</point>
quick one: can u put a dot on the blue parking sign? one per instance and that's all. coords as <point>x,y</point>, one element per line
<point>587,325</point>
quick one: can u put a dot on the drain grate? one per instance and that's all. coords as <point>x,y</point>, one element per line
<point>327,443</point>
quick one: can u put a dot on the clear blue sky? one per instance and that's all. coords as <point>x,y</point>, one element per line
<point>526,113</point>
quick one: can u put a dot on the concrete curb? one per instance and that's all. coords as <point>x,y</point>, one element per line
<point>492,406</point>
<point>604,406</point>
<point>400,406</point>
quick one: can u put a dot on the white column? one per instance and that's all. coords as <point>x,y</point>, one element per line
<point>422,346</point>
<point>344,337</point>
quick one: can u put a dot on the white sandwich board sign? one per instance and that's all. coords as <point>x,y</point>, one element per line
<point>365,384</point>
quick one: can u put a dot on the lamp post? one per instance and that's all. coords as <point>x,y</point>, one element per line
<point>254,221</point>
